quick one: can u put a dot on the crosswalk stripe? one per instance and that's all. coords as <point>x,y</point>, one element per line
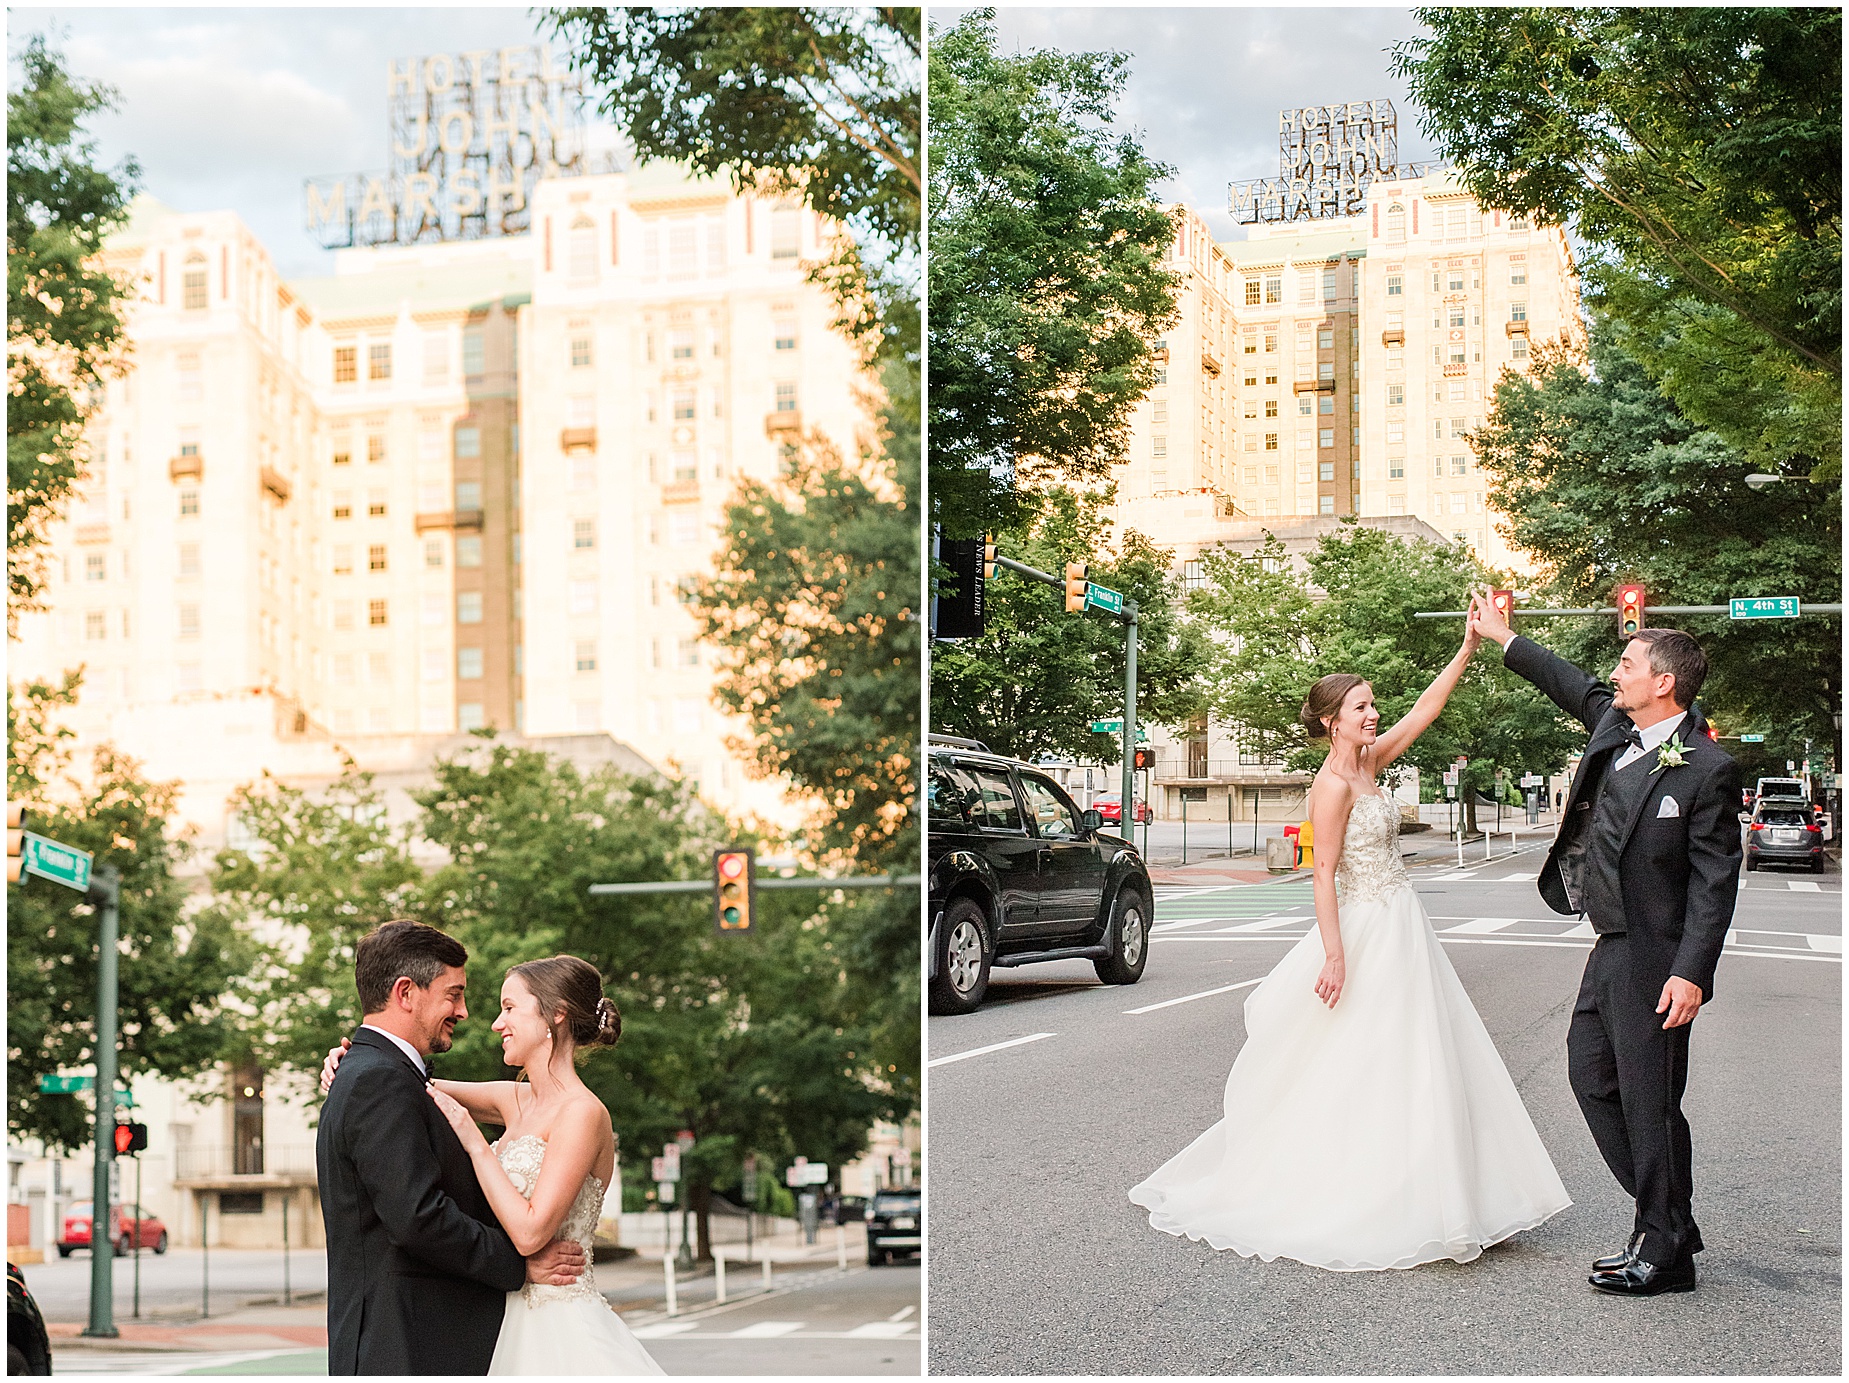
<point>882,1330</point>
<point>1460,874</point>
<point>1516,879</point>
<point>1482,926</point>
<point>766,1330</point>
<point>663,1329</point>
<point>1825,943</point>
<point>1269,924</point>
<point>1583,929</point>
<point>1803,886</point>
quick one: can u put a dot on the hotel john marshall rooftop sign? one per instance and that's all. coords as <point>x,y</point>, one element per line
<point>1327,157</point>
<point>471,133</point>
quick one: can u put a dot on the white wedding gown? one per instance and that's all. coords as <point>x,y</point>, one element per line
<point>551,1331</point>
<point>1382,1133</point>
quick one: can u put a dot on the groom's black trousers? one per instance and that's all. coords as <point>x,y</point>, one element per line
<point>1629,1074</point>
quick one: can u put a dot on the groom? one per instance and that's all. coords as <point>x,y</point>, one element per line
<point>1649,851</point>
<point>418,1268</point>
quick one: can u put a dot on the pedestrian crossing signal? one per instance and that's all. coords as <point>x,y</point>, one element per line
<point>131,1138</point>
<point>1630,610</point>
<point>1076,585</point>
<point>733,882</point>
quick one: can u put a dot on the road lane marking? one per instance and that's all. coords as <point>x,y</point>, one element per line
<point>1161,927</point>
<point>1268,924</point>
<point>1583,929</point>
<point>765,1330</point>
<point>1803,886</point>
<point>1482,926</point>
<point>663,1329</point>
<point>1190,998</point>
<point>1515,879</point>
<point>984,1051</point>
<point>1460,874</point>
<point>1825,943</point>
<point>881,1330</point>
<point>901,1313</point>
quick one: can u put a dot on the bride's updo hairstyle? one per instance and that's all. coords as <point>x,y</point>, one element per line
<point>1325,700</point>
<point>573,985</point>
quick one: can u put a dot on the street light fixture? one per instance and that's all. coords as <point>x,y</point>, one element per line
<point>1759,480</point>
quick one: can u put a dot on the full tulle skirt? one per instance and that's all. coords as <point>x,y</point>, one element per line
<point>572,1337</point>
<point>1382,1133</point>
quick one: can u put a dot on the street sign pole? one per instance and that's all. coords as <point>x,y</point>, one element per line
<point>1128,810</point>
<point>105,892</point>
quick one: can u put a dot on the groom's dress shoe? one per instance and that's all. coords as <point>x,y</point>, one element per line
<point>1642,1279</point>
<point>1611,1262</point>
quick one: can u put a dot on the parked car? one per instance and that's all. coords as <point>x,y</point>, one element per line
<point>895,1225</point>
<point>850,1209</point>
<point>1784,830</point>
<point>123,1231</point>
<point>1020,875</point>
<point>28,1347</point>
<point>1110,806</point>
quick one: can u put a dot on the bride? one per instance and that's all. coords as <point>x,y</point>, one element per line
<point>546,1175</point>
<point>1369,1122</point>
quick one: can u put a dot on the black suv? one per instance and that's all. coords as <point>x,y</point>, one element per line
<point>1784,830</point>
<point>895,1225</point>
<point>1019,874</point>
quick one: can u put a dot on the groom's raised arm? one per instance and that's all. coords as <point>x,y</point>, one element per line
<point>386,1134</point>
<point>1580,695</point>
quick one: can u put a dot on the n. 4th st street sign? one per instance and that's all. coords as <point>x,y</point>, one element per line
<point>59,863</point>
<point>1764,607</point>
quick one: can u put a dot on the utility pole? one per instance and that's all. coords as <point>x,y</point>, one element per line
<point>105,892</point>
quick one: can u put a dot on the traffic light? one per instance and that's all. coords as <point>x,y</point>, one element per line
<point>1145,758</point>
<point>1503,603</point>
<point>1075,587</point>
<point>131,1138</point>
<point>15,842</point>
<point>988,557</point>
<point>733,882</point>
<point>1630,610</point>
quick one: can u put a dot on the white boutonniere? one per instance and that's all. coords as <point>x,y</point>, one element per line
<point>1669,754</point>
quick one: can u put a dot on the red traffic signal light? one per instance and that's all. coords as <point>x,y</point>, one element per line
<point>131,1138</point>
<point>988,557</point>
<point>1503,602</point>
<point>1075,587</point>
<point>1630,609</point>
<point>15,842</point>
<point>732,890</point>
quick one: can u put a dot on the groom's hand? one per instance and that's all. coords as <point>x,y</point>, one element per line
<point>1485,619</point>
<point>1681,999</point>
<point>558,1264</point>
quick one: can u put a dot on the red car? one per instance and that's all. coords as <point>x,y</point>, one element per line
<point>124,1231</point>
<point>1109,805</point>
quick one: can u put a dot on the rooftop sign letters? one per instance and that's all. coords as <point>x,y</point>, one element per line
<point>470,134</point>
<point>1327,157</point>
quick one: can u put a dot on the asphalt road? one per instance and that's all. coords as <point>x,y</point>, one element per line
<point>171,1282</point>
<point>1040,1264</point>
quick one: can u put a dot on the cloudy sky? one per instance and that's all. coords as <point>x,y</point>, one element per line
<point>235,107</point>
<point>1206,85</point>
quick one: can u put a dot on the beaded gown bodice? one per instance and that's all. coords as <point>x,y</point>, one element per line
<point>1370,867</point>
<point>522,1158</point>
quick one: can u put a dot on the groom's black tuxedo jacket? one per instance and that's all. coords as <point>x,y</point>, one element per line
<point>1677,874</point>
<point>418,1269</point>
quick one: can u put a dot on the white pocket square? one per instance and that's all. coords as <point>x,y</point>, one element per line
<point>1667,807</point>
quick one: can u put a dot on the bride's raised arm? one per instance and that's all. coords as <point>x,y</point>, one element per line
<point>1395,742</point>
<point>493,1100</point>
<point>572,1147</point>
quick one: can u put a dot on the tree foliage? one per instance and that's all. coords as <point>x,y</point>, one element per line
<point>1038,676</point>
<point>753,1043</point>
<point>1698,152</point>
<point>1605,481</point>
<point>173,964</point>
<point>1045,274</point>
<point>1274,629</point>
<point>63,312</point>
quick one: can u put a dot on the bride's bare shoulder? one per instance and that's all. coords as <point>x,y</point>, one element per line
<point>1328,789</point>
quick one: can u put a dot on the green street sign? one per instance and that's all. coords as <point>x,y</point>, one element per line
<point>1752,739</point>
<point>1107,727</point>
<point>59,863</point>
<point>65,1085</point>
<point>1104,598</point>
<point>1764,607</point>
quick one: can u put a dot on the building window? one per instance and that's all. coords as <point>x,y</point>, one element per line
<point>1271,408</point>
<point>1327,437</point>
<point>189,559</point>
<point>375,557</point>
<point>1328,284</point>
<point>1159,411</point>
<point>343,614</point>
<point>468,442</point>
<point>583,598</point>
<point>1518,269</point>
<point>1518,312</point>
<point>346,364</point>
<point>786,398</point>
<point>436,357</point>
<point>1396,468</point>
<point>1251,441</point>
<point>1158,448</point>
<point>375,504</point>
<point>468,496</point>
<point>379,360</point>
<point>1325,504</point>
<point>1161,375</point>
<point>469,664</point>
<point>581,252</point>
<point>1252,292</point>
<point>192,284</point>
<point>1396,285</point>
<point>786,229</point>
<point>1325,403</point>
<point>687,653</point>
<point>685,409</point>
<point>474,352</point>
<point>1326,470</point>
<point>584,533</point>
<point>783,336</point>
<point>189,622</point>
<point>1518,348</point>
<point>343,505</point>
<point>96,566</point>
<point>468,550</point>
<point>1396,394</point>
<point>1274,288</point>
<point>471,715</point>
<point>580,351</point>
<point>375,613</point>
<point>1460,465</point>
<point>585,658</point>
<point>1396,432</point>
<point>1396,224</point>
<point>1304,406</point>
<point>468,607</point>
<point>1271,441</point>
<point>433,552</point>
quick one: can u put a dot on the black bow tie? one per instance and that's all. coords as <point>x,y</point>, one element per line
<point>1634,736</point>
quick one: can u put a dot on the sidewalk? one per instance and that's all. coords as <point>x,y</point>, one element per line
<point>635,1286</point>
<point>1433,847</point>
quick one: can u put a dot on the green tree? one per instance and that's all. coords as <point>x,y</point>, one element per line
<point>1274,629</point>
<point>1045,273</point>
<point>814,103</point>
<point>1698,153</point>
<point>1038,676</point>
<point>174,964</point>
<point>1605,481</point>
<point>63,311</point>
